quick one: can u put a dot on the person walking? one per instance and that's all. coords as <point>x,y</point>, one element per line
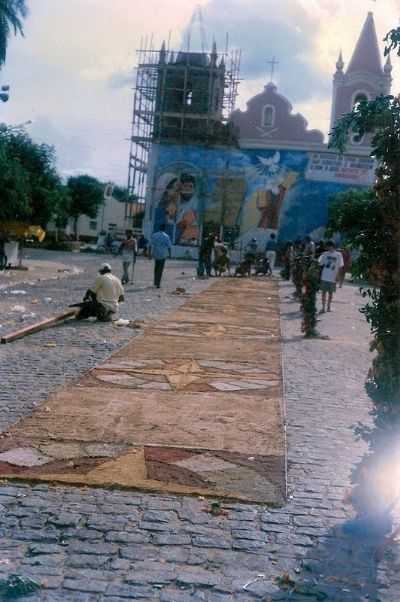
<point>160,250</point>
<point>270,250</point>
<point>205,256</point>
<point>128,250</point>
<point>331,262</point>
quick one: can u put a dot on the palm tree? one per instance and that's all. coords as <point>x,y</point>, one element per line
<point>12,13</point>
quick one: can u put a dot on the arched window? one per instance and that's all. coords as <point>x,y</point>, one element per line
<point>359,97</point>
<point>268,116</point>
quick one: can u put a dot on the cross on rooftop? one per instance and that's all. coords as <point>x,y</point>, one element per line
<point>272,63</point>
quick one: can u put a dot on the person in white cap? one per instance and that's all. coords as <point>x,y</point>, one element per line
<point>102,300</point>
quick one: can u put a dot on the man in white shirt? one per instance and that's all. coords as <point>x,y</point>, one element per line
<point>102,300</point>
<point>331,262</point>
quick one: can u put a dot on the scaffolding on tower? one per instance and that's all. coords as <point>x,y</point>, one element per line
<point>180,97</point>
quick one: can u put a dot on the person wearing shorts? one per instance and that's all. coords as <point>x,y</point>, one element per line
<point>331,263</point>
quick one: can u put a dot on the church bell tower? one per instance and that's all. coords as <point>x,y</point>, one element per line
<point>364,79</point>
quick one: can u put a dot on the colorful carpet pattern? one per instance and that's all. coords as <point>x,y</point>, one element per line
<point>192,406</point>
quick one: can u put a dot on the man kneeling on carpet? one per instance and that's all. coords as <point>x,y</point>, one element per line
<point>102,300</point>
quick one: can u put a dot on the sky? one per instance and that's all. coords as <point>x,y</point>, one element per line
<point>72,74</point>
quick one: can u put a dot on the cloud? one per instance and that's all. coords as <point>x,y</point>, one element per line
<point>265,28</point>
<point>74,151</point>
<point>72,74</point>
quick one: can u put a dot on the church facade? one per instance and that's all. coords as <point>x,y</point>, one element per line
<point>280,176</point>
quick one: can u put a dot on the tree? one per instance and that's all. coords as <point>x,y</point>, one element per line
<point>29,183</point>
<point>357,215</point>
<point>380,239</point>
<point>86,196</point>
<point>12,13</point>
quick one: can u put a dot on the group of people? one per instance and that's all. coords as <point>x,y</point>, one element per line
<point>262,262</point>
<point>334,264</point>
<point>103,298</point>
<point>130,247</point>
<point>214,255</point>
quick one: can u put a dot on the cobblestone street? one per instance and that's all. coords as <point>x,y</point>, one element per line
<point>96,545</point>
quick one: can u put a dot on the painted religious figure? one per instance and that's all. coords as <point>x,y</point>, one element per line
<point>272,181</point>
<point>179,207</point>
<point>270,204</point>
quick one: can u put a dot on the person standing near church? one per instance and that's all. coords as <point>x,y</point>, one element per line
<point>270,250</point>
<point>128,250</point>
<point>331,262</point>
<point>160,249</point>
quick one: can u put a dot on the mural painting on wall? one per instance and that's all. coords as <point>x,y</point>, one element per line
<point>270,180</point>
<point>178,202</point>
<point>253,191</point>
<point>226,200</point>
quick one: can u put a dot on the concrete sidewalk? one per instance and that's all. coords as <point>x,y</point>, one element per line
<point>97,545</point>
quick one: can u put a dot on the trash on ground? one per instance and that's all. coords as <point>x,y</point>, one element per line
<point>17,292</point>
<point>18,308</point>
<point>121,322</point>
<point>135,324</point>
<point>179,291</point>
<point>258,578</point>
<point>27,316</point>
<point>50,344</point>
<point>48,299</point>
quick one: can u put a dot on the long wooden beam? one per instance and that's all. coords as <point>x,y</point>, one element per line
<point>23,332</point>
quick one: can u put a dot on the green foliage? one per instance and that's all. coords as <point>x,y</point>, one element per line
<point>121,194</point>
<point>350,212</point>
<point>30,188</point>
<point>392,40</point>
<point>357,215</point>
<point>311,281</point>
<point>12,13</point>
<point>86,194</point>
<point>378,235</point>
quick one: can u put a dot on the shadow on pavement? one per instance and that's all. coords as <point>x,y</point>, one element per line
<point>350,558</point>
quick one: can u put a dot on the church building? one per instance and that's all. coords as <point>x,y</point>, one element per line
<point>268,172</point>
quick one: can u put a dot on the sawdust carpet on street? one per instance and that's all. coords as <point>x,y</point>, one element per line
<point>193,406</point>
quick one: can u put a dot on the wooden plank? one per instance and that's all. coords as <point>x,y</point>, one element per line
<point>23,332</point>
